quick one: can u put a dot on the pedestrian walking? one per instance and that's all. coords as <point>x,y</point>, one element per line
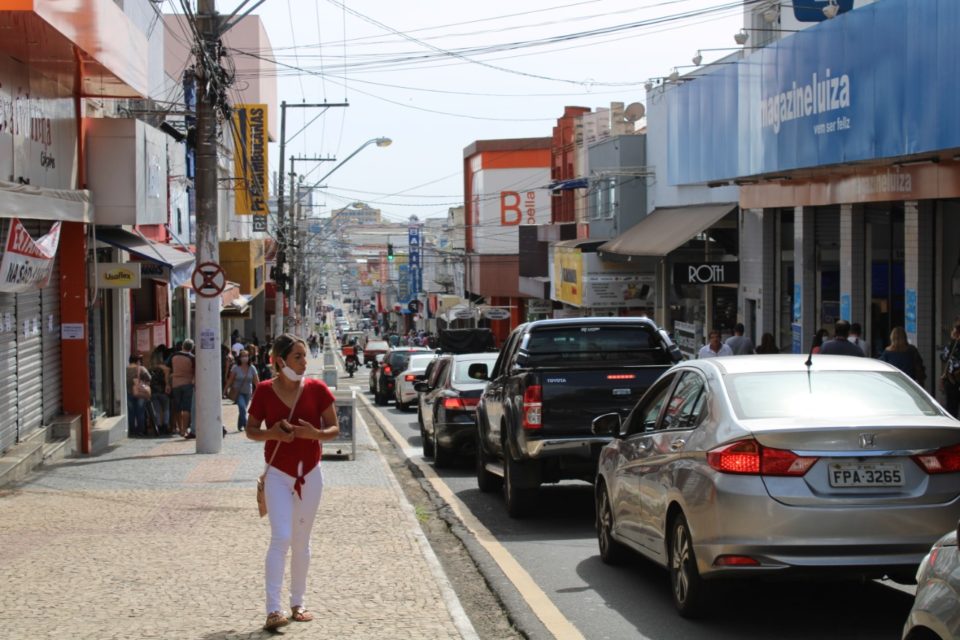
<point>160,400</point>
<point>241,381</point>
<point>740,344</point>
<point>714,348</point>
<point>767,344</point>
<point>950,375</point>
<point>138,378</point>
<point>840,346</point>
<point>180,387</point>
<point>904,356</point>
<point>855,332</point>
<point>819,338</point>
<point>292,415</point>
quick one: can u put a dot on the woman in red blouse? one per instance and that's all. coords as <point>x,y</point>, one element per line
<point>293,415</point>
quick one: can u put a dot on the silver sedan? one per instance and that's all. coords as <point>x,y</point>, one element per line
<point>759,466</point>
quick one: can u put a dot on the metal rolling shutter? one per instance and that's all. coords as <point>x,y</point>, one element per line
<point>29,363</point>
<point>50,306</point>
<point>8,371</point>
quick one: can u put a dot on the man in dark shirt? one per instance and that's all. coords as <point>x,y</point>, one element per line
<point>840,345</point>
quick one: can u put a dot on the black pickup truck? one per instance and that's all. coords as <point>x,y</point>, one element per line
<point>551,379</point>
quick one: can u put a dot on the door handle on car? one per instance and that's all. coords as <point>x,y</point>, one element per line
<point>677,444</point>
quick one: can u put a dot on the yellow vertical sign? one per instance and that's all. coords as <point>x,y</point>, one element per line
<point>250,159</point>
<point>568,275</point>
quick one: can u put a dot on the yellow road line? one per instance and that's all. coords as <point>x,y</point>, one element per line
<point>551,617</point>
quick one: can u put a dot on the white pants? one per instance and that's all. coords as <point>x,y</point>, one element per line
<point>291,519</point>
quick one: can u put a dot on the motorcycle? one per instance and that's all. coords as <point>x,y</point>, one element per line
<point>351,365</point>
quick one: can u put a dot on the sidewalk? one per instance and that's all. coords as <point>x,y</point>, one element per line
<point>152,540</point>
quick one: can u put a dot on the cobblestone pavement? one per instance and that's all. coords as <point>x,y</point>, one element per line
<point>152,540</point>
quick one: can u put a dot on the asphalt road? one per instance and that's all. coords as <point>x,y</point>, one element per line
<point>557,547</point>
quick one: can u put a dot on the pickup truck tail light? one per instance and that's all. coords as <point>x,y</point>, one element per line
<point>460,404</point>
<point>749,457</point>
<point>532,407</point>
<point>387,371</point>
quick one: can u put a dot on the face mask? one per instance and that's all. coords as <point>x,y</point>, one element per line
<point>291,375</point>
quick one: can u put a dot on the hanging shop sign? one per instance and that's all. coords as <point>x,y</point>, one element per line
<point>703,273</point>
<point>538,306</point>
<point>250,159</point>
<point>496,313</point>
<point>118,275</point>
<point>27,263</point>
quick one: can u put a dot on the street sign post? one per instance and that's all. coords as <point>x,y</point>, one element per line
<point>209,280</point>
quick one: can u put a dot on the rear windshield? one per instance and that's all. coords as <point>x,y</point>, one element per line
<point>463,366</point>
<point>420,361</point>
<point>375,345</point>
<point>632,345</point>
<point>826,394</point>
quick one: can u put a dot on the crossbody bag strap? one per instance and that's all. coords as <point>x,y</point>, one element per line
<point>290,417</point>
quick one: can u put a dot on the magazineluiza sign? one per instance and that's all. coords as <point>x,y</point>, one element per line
<point>27,263</point>
<point>250,159</point>
<point>824,94</point>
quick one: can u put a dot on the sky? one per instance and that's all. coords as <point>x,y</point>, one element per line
<point>436,75</point>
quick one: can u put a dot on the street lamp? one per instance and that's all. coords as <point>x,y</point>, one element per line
<point>380,142</point>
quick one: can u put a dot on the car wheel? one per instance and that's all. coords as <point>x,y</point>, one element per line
<point>425,442</point>
<point>519,500</point>
<point>442,457</point>
<point>400,404</point>
<point>380,398</point>
<point>487,482</point>
<point>689,589</point>
<point>611,551</point>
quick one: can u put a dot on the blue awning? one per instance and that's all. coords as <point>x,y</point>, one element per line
<point>179,262</point>
<point>566,185</point>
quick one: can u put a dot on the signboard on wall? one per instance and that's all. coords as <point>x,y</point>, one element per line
<point>504,199</point>
<point>250,159</point>
<point>704,273</point>
<point>118,275</point>
<point>583,280</point>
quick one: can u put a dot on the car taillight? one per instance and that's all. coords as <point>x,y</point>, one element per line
<point>946,460</point>
<point>532,407</point>
<point>460,404</point>
<point>749,457</point>
<point>735,561</point>
<point>386,370</point>
<point>409,377</point>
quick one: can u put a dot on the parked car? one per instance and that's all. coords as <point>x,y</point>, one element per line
<point>373,349</point>
<point>404,392</point>
<point>936,609</point>
<point>551,379</point>
<point>394,361</point>
<point>447,406</point>
<point>781,466</point>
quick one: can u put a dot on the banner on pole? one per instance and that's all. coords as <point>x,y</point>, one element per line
<point>27,263</point>
<point>250,159</point>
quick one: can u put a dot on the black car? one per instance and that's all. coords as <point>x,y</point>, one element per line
<point>394,362</point>
<point>447,406</point>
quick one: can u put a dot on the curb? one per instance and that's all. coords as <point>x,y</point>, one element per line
<point>460,619</point>
<point>518,612</point>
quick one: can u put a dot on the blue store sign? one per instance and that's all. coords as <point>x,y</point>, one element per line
<point>877,82</point>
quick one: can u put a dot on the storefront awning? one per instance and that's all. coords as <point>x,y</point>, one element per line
<point>663,231</point>
<point>40,203</point>
<point>179,262</point>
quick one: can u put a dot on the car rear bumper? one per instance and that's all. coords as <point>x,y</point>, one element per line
<point>739,518</point>
<point>582,447</point>
<point>459,435</point>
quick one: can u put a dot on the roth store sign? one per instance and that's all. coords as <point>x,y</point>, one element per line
<point>702,273</point>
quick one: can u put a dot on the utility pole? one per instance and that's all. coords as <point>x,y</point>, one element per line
<point>281,230</point>
<point>208,384</point>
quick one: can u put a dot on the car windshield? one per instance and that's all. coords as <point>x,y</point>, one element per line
<point>593,344</point>
<point>420,361</point>
<point>826,394</point>
<point>463,366</point>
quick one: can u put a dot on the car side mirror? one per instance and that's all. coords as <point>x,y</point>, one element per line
<point>478,371</point>
<point>607,424</point>
<point>421,387</point>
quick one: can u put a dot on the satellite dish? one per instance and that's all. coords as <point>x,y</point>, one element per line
<point>634,112</point>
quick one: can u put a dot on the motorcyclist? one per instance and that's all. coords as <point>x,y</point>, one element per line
<point>351,361</point>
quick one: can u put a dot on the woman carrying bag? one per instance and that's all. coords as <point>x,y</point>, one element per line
<point>293,415</point>
<point>239,387</point>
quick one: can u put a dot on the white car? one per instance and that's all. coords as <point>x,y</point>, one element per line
<point>404,390</point>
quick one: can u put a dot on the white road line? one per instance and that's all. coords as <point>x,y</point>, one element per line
<point>555,622</point>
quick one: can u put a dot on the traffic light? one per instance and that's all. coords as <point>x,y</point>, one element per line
<point>389,252</point>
